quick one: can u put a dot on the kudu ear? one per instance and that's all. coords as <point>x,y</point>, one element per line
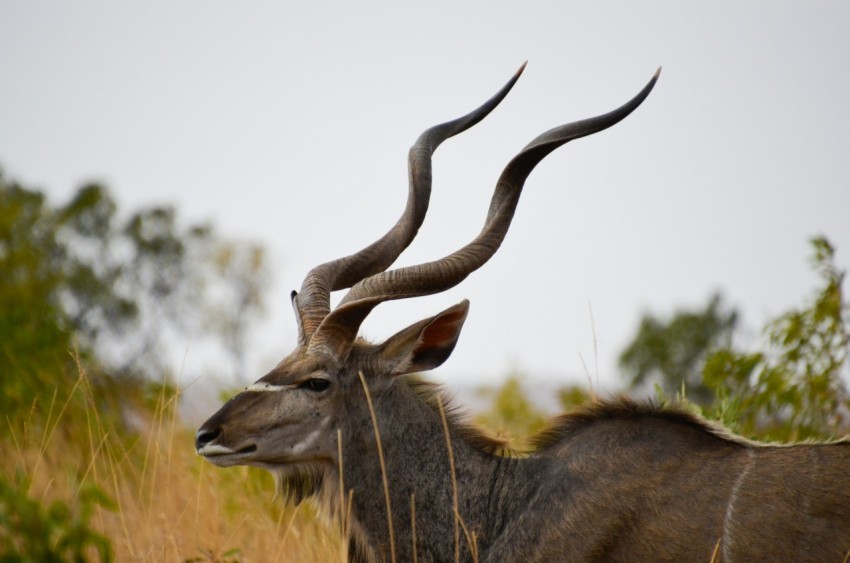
<point>426,344</point>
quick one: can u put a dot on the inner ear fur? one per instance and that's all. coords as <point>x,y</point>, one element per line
<point>426,344</point>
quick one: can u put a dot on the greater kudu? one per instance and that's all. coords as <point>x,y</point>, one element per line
<point>619,481</point>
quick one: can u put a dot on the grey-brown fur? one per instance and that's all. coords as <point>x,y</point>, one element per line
<point>617,481</point>
<point>623,481</point>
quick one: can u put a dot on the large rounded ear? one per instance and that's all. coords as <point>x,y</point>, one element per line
<point>426,344</point>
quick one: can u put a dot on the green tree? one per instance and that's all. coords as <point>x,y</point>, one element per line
<point>671,353</point>
<point>58,533</point>
<point>240,298</point>
<point>49,290</point>
<point>512,416</point>
<point>797,388</point>
<point>77,277</point>
<point>162,268</point>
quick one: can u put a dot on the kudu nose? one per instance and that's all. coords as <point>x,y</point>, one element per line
<point>206,435</point>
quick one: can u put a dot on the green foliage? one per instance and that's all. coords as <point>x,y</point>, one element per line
<point>32,532</point>
<point>798,388</point>
<point>210,556</point>
<point>81,284</point>
<point>90,300</point>
<point>573,396</point>
<point>512,416</point>
<point>242,266</point>
<point>37,270</point>
<point>671,352</point>
<point>794,389</point>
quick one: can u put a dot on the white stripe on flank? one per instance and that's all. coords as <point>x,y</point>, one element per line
<point>726,534</point>
<point>262,387</point>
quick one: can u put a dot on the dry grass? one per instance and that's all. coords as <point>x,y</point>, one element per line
<point>171,504</point>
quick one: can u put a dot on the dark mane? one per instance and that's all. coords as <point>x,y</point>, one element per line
<point>625,408</point>
<point>563,425</point>
<point>434,395</point>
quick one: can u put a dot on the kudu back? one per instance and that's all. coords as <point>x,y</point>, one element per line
<point>341,420</point>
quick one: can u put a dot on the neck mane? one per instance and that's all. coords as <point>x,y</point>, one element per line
<point>483,477</point>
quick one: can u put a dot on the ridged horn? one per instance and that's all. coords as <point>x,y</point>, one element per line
<point>312,303</point>
<point>339,328</point>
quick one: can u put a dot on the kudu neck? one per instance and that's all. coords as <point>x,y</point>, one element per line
<point>425,483</point>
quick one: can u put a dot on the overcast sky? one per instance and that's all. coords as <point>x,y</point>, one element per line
<point>289,123</point>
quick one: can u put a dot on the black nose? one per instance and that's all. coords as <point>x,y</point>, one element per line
<point>206,435</point>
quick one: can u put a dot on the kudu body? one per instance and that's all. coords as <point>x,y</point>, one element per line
<point>340,419</point>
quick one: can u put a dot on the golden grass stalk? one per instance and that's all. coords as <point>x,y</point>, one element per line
<point>458,521</point>
<point>383,465</point>
<point>171,504</point>
<point>454,479</point>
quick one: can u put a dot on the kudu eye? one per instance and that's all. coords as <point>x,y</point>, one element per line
<point>315,384</point>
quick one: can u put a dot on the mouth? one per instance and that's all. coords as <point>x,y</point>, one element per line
<point>226,457</point>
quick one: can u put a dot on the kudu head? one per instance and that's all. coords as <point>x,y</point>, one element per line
<point>290,419</point>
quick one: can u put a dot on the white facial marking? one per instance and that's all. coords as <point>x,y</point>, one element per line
<point>215,449</point>
<point>262,387</point>
<point>311,438</point>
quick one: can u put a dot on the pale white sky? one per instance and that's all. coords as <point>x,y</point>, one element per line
<point>289,123</point>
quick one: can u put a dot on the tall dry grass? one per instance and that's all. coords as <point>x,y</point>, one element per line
<point>170,505</point>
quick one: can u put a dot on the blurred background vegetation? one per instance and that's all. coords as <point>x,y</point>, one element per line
<point>94,306</point>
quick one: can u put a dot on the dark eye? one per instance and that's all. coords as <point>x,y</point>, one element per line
<point>315,384</point>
